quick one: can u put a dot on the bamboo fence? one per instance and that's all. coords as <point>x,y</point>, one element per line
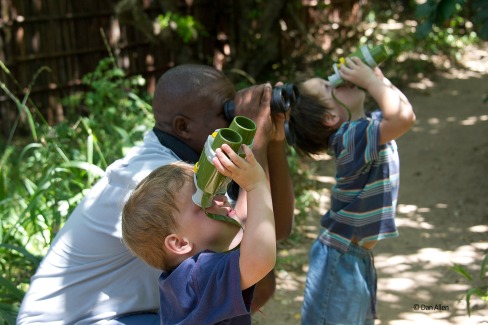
<point>67,38</point>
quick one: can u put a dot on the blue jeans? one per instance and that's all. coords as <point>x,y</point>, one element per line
<point>340,287</point>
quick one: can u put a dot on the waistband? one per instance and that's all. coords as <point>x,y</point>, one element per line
<point>359,251</point>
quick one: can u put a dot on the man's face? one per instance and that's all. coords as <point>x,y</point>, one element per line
<point>209,115</point>
<point>203,123</point>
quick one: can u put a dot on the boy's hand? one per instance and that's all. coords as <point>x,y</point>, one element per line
<point>358,73</point>
<point>247,173</point>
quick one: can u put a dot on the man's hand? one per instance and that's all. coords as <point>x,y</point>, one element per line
<point>254,102</point>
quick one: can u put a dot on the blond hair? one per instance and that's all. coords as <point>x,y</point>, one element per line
<point>148,216</point>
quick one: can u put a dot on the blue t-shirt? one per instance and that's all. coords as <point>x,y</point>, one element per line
<point>364,198</point>
<point>205,290</point>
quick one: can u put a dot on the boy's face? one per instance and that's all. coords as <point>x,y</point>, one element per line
<point>204,232</point>
<point>348,94</point>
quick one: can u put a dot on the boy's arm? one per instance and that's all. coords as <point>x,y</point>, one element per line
<point>398,115</point>
<point>258,245</point>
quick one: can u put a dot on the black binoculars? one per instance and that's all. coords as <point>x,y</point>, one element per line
<point>282,99</point>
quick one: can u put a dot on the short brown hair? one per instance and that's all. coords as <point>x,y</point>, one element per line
<point>148,216</point>
<point>307,124</point>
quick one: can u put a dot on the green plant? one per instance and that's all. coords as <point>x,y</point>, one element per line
<point>304,185</point>
<point>439,14</point>
<point>44,176</point>
<point>479,284</point>
<point>187,27</point>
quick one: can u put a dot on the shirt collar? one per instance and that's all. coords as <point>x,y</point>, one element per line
<point>183,151</point>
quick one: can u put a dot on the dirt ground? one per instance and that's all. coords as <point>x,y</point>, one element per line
<point>442,215</point>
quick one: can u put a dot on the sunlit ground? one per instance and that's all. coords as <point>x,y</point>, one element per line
<point>442,215</point>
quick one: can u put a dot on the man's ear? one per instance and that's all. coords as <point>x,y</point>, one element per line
<point>331,119</point>
<point>178,245</point>
<point>180,126</point>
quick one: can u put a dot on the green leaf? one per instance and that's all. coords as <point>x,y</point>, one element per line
<point>460,270</point>
<point>425,10</point>
<point>90,168</point>
<point>483,266</point>
<point>8,314</point>
<point>446,10</point>
<point>11,288</point>
<point>469,293</point>
<point>424,29</point>
<point>33,258</point>
<point>483,32</point>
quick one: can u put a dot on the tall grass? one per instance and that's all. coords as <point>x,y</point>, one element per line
<point>45,175</point>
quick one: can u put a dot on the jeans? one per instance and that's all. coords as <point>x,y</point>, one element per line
<point>340,287</point>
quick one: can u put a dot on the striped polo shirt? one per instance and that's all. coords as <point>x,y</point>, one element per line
<point>363,201</point>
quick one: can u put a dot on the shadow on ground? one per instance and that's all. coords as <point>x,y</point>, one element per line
<point>442,215</point>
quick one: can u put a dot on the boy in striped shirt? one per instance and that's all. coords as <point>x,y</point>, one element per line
<point>341,281</point>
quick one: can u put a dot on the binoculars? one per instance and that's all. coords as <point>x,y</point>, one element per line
<point>208,181</point>
<point>370,56</point>
<point>282,99</point>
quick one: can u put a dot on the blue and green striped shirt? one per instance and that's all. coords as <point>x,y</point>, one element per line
<point>364,198</point>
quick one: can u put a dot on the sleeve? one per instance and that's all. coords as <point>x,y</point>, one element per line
<point>205,289</point>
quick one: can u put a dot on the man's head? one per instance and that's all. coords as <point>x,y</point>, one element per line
<point>189,102</point>
<point>161,224</point>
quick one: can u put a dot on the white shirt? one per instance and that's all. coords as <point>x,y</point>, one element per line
<point>88,274</point>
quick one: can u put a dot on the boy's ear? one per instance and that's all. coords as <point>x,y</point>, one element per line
<point>180,126</point>
<point>331,119</point>
<point>177,245</point>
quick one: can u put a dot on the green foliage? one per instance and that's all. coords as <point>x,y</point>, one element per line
<point>443,27</point>
<point>440,14</point>
<point>479,284</point>
<point>434,12</point>
<point>112,98</point>
<point>303,184</point>
<point>480,17</point>
<point>187,27</point>
<point>44,177</point>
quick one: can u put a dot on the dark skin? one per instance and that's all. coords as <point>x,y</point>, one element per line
<point>188,103</point>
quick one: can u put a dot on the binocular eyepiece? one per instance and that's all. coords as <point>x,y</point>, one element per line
<point>208,181</point>
<point>282,99</point>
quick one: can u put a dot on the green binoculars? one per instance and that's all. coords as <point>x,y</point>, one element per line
<point>370,56</point>
<point>208,181</point>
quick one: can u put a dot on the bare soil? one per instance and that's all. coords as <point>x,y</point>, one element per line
<point>442,215</point>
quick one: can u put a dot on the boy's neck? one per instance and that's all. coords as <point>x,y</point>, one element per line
<point>228,240</point>
<point>357,115</point>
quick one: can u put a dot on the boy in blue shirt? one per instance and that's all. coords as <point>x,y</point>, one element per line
<point>209,267</point>
<point>341,281</point>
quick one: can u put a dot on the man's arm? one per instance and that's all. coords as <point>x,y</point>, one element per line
<point>269,150</point>
<point>280,179</point>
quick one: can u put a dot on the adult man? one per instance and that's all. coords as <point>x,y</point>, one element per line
<point>88,275</point>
